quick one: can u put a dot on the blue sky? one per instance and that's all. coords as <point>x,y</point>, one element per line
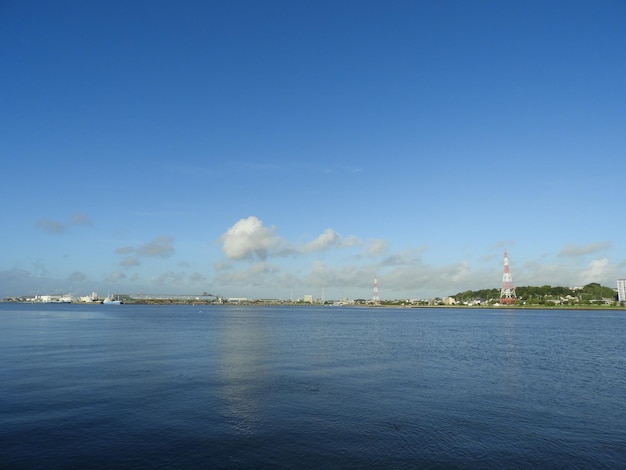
<point>278,148</point>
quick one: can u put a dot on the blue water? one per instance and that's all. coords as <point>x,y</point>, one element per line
<point>281,387</point>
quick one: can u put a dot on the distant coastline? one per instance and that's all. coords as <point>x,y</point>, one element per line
<point>381,305</point>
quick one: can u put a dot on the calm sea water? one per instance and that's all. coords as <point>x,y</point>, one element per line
<point>244,387</point>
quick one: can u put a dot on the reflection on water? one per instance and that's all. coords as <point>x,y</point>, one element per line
<point>244,347</point>
<point>511,369</point>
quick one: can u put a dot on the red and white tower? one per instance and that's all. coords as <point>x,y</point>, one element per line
<point>375,298</point>
<point>507,293</point>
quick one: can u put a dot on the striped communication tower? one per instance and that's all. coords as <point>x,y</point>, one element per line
<point>375,298</point>
<point>507,293</point>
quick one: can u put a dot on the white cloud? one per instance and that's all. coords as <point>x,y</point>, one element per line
<point>349,241</point>
<point>159,247</point>
<point>424,281</point>
<point>413,280</point>
<point>401,273</point>
<point>582,250</point>
<point>248,239</point>
<point>598,270</point>
<point>376,247</point>
<point>329,239</point>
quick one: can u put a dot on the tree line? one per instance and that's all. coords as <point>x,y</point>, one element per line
<point>587,294</point>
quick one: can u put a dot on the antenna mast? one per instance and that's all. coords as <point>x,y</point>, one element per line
<point>507,293</point>
<point>375,298</point>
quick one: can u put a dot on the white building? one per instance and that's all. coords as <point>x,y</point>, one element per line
<point>621,290</point>
<point>89,298</point>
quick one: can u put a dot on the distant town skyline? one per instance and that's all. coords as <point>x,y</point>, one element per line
<point>265,150</point>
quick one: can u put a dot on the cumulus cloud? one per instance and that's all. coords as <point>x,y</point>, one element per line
<point>582,250</point>
<point>424,281</point>
<point>329,239</point>
<point>401,274</point>
<point>122,250</point>
<point>404,275</point>
<point>401,281</point>
<point>249,238</point>
<point>376,247</point>
<point>598,270</point>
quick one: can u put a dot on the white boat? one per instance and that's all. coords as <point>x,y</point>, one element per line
<point>110,301</point>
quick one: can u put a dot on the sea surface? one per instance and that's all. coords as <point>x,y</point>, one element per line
<point>135,386</point>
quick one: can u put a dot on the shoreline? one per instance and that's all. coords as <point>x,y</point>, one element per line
<point>261,303</point>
